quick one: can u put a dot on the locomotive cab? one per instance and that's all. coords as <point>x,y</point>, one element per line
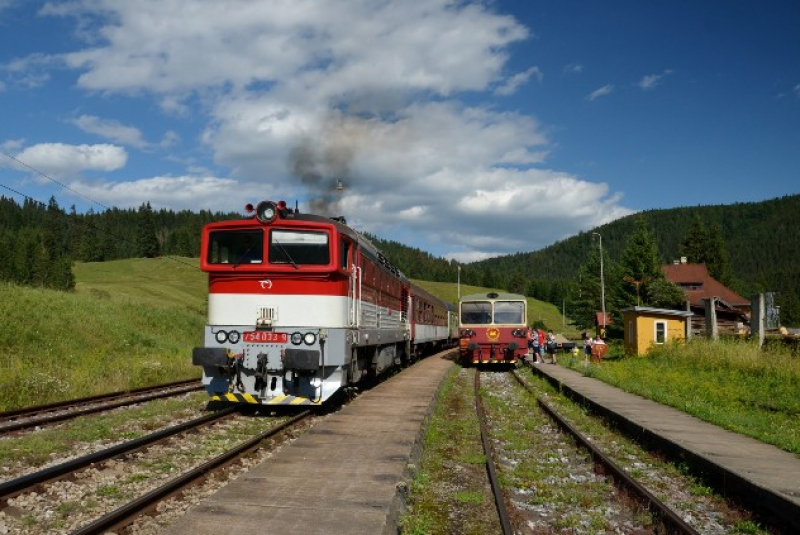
<point>492,328</point>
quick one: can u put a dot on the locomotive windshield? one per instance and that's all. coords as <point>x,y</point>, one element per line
<point>299,247</point>
<point>236,247</point>
<point>476,312</point>
<point>509,312</point>
<point>481,313</point>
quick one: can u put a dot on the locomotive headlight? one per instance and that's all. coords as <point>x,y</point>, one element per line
<point>266,211</point>
<point>309,338</point>
<point>233,337</point>
<point>221,337</point>
<point>297,338</point>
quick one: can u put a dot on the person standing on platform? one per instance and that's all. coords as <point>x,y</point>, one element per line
<point>551,346</point>
<point>587,348</point>
<point>599,349</point>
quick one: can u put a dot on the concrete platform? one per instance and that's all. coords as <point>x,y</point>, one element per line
<point>347,475</point>
<point>757,473</point>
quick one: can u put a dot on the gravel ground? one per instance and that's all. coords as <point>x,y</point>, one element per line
<point>63,506</point>
<point>707,513</point>
<point>549,481</point>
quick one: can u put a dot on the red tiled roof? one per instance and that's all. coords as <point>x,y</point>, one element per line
<point>599,319</point>
<point>697,275</point>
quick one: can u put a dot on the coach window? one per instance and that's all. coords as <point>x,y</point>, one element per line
<point>299,248</point>
<point>509,312</point>
<point>236,247</point>
<point>344,251</point>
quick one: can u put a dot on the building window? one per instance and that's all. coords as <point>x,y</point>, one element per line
<point>661,332</point>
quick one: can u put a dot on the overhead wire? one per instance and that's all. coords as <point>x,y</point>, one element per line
<point>102,231</point>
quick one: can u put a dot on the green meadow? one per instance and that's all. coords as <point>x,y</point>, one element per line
<point>129,323</point>
<point>731,383</point>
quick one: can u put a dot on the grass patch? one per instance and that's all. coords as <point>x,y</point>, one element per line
<point>38,448</point>
<point>733,384</point>
<point>450,491</point>
<point>59,345</point>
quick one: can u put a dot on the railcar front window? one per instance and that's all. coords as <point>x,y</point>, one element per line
<point>299,248</point>
<point>236,247</point>
<point>509,312</point>
<point>476,313</point>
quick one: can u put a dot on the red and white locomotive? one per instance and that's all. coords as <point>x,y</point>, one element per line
<point>301,306</point>
<point>493,328</point>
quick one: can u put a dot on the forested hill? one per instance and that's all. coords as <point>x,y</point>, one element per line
<point>761,241</point>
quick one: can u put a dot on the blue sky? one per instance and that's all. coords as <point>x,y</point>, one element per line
<point>467,129</point>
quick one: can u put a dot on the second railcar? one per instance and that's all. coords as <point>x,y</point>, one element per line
<point>493,328</point>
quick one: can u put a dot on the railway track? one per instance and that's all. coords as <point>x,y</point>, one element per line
<point>666,516</point>
<point>42,490</point>
<point>517,500</point>
<point>37,416</point>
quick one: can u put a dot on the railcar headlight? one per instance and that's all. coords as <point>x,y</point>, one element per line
<point>309,338</point>
<point>233,337</point>
<point>297,338</point>
<point>221,337</point>
<point>266,211</point>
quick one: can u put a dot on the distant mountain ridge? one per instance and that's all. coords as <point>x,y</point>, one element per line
<point>762,240</point>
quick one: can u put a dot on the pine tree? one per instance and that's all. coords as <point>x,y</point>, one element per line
<point>639,265</point>
<point>586,299</point>
<point>695,244</point>
<point>147,242</point>
<point>717,260</point>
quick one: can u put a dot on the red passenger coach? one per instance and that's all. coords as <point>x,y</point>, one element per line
<point>493,328</point>
<point>301,306</point>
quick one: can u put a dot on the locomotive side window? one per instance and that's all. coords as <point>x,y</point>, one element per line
<point>299,247</point>
<point>509,312</point>
<point>476,312</point>
<point>344,250</point>
<point>236,247</point>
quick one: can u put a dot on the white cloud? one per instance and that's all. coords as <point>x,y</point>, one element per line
<point>512,84</point>
<point>601,92</point>
<point>650,81</point>
<point>175,192</point>
<point>111,129</point>
<point>573,68</point>
<point>60,159</point>
<point>177,46</point>
<point>797,90</point>
<point>296,94</point>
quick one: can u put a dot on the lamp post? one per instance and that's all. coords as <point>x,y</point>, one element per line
<point>602,286</point>
<point>459,283</point>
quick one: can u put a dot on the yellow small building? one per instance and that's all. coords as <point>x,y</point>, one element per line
<point>645,327</point>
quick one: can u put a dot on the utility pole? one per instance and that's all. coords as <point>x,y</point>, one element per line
<point>602,287</point>
<point>459,282</point>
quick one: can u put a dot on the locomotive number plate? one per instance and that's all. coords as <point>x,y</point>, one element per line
<point>265,337</point>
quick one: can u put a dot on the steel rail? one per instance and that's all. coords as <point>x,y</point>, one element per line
<point>671,521</point>
<point>16,486</point>
<point>33,421</point>
<point>36,409</point>
<point>125,515</point>
<point>500,503</point>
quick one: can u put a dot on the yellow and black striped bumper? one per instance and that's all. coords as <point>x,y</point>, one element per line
<point>248,398</point>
